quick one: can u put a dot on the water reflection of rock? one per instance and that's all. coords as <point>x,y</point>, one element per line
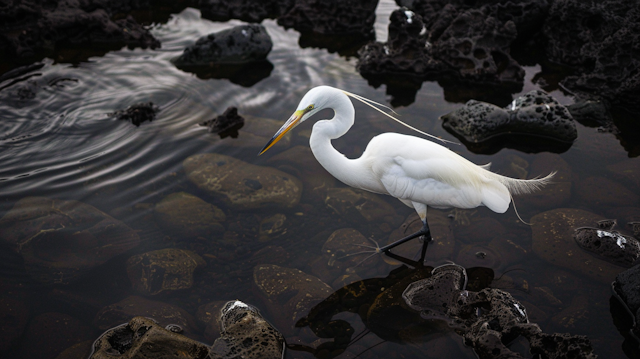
<point>60,241</point>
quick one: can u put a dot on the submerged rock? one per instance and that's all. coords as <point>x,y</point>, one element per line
<point>144,338</point>
<point>245,334</point>
<point>208,316</point>
<point>163,271</point>
<point>535,114</point>
<point>287,293</point>
<point>553,241</point>
<point>240,184</point>
<point>601,191</point>
<point>558,192</point>
<point>185,215</point>
<point>237,45</point>
<point>356,204</point>
<point>137,113</point>
<point>60,241</point>
<point>53,332</point>
<point>226,124</point>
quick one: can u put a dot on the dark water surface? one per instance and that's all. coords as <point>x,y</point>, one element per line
<point>57,141</point>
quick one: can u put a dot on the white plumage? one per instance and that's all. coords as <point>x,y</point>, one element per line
<point>418,172</point>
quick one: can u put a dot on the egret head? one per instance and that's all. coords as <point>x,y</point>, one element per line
<point>315,100</point>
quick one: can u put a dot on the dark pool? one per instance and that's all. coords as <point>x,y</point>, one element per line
<point>57,141</point>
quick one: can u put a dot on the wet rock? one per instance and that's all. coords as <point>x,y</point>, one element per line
<point>144,338</point>
<point>245,334</point>
<point>535,114</point>
<point>625,288</point>
<point>184,215</point>
<point>597,38</point>
<point>54,332</point>
<point>271,255</point>
<point>358,204</point>
<point>32,30</point>
<point>610,245</point>
<point>208,316</point>
<point>61,241</point>
<point>163,313</point>
<point>600,191</point>
<point>558,192</point>
<point>273,227</point>
<point>226,124</point>
<point>163,271</point>
<point>628,171</point>
<point>240,184</point>
<point>287,293</point>
<point>237,45</point>
<point>592,114</point>
<point>337,25</point>
<point>300,162</point>
<point>245,10</point>
<point>137,113</point>
<point>443,243</point>
<point>502,319</point>
<point>553,241</point>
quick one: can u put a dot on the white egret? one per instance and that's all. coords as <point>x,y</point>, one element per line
<point>418,172</point>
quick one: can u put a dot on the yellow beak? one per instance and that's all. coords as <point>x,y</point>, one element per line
<point>292,122</point>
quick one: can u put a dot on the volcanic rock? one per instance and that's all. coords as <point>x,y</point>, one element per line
<point>245,10</point>
<point>610,245</point>
<point>226,124</point>
<point>137,113</point>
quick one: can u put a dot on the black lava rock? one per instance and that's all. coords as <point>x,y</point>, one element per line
<point>535,114</point>
<point>33,29</point>
<point>245,10</point>
<point>226,124</point>
<point>602,41</point>
<point>238,45</point>
<point>137,113</point>
<point>610,245</point>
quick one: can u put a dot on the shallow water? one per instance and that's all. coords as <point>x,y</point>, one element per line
<point>57,141</point>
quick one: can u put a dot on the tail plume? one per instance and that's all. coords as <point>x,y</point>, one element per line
<point>522,186</point>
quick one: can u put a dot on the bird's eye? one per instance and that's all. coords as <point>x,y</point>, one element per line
<point>310,107</point>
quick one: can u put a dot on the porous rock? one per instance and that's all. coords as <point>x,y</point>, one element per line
<point>245,10</point>
<point>533,114</point>
<point>553,241</point>
<point>611,245</point>
<point>238,45</point>
<point>332,17</point>
<point>184,215</point>
<point>163,313</point>
<point>163,271</point>
<point>137,113</point>
<point>62,240</point>
<point>240,184</point>
<point>143,338</point>
<point>287,293</point>
<point>246,334</point>
<point>32,29</point>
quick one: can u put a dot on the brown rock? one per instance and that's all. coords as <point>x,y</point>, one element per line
<point>270,255</point>
<point>62,240</point>
<point>359,204</point>
<point>143,338</point>
<point>186,215</point>
<point>76,351</point>
<point>240,184</point>
<point>599,191</point>
<point>51,333</point>
<point>299,161</point>
<point>556,193</point>
<point>164,270</point>
<point>124,310</point>
<point>287,293</point>
<point>273,227</point>
<point>553,241</point>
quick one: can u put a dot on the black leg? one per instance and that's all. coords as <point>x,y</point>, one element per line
<point>424,231</point>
